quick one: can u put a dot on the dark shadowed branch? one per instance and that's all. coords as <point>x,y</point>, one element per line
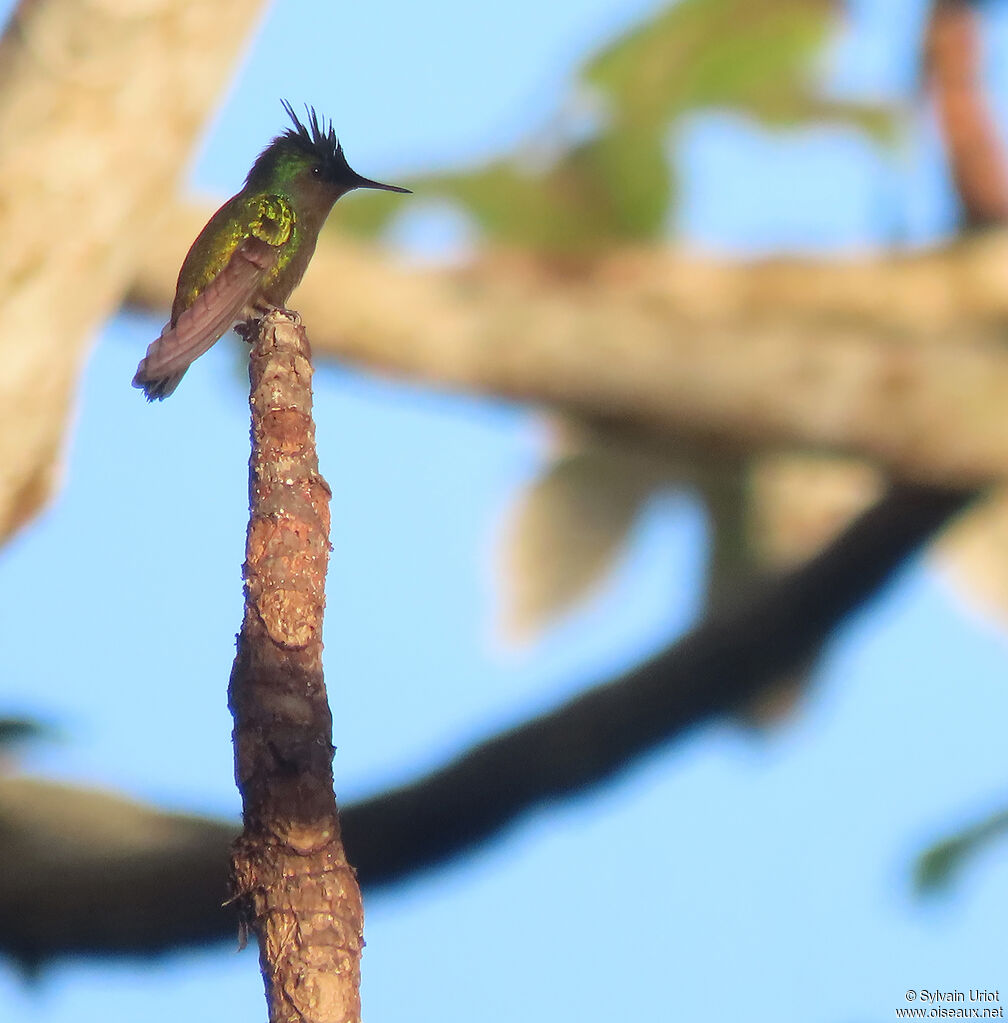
<point>594,737</point>
<point>395,836</point>
<point>85,871</point>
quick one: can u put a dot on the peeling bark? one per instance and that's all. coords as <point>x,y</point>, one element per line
<point>290,872</point>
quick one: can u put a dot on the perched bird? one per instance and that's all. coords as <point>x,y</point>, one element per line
<point>255,249</point>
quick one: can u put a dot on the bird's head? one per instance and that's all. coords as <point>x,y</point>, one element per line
<point>308,161</point>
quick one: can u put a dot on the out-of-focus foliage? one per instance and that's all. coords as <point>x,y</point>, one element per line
<point>569,527</point>
<point>574,191</point>
<point>18,730</point>
<point>937,867</point>
<point>753,56</point>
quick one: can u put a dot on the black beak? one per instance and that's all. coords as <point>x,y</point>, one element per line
<point>360,182</point>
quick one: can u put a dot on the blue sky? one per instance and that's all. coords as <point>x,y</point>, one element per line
<point>738,876</point>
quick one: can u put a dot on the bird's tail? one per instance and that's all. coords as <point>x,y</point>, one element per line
<point>198,327</point>
<point>152,375</point>
<point>156,388</point>
<point>196,330</point>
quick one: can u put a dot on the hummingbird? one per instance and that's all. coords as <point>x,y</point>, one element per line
<point>255,249</point>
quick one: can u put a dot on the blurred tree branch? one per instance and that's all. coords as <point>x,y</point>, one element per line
<point>722,663</point>
<point>79,235</point>
<point>900,359</point>
<point>87,871</point>
<point>493,328</point>
<point>974,151</point>
<point>148,906</point>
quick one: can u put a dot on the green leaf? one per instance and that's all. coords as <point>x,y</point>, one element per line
<point>938,866</point>
<point>754,56</point>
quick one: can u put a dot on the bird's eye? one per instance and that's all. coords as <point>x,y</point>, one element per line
<point>316,171</point>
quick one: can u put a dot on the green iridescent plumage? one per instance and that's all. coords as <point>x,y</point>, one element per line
<point>255,249</point>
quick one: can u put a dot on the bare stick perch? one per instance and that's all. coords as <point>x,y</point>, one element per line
<point>299,895</point>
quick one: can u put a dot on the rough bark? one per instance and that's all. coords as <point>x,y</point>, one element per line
<point>100,106</point>
<point>290,873</point>
<point>900,360</point>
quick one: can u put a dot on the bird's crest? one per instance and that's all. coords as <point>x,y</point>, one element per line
<point>313,141</point>
<point>317,140</point>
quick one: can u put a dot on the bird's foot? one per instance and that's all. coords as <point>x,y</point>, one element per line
<point>246,329</point>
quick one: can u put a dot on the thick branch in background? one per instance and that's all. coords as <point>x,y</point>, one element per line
<point>728,660</point>
<point>901,361</point>
<point>900,304</point>
<point>713,669</point>
<point>290,873</point>
<point>100,107</point>
<point>84,871</point>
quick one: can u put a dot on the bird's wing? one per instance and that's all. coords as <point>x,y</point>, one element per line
<point>198,327</point>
